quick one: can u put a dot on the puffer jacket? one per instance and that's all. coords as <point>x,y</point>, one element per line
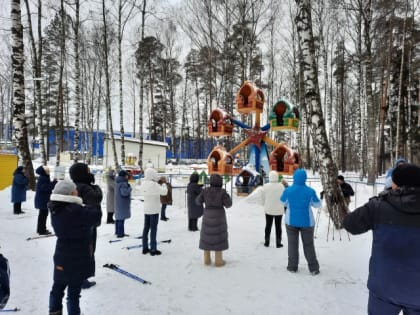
<point>269,195</point>
<point>394,218</point>
<point>151,191</point>
<point>72,223</point>
<point>214,230</point>
<point>20,183</point>
<point>299,198</point>
<point>44,187</point>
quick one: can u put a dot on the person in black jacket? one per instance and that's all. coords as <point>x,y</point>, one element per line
<point>345,188</point>
<point>73,263</point>
<point>44,187</point>
<point>394,218</point>
<point>91,195</point>
<point>195,211</point>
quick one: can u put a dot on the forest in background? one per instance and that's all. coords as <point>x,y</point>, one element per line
<point>140,67</point>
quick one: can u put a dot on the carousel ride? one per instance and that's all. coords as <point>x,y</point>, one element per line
<point>283,117</point>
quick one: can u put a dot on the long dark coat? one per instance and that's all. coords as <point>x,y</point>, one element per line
<point>44,187</point>
<point>195,211</point>
<point>110,191</point>
<point>214,231</point>
<point>122,198</point>
<point>72,223</point>
<point>20,182</point>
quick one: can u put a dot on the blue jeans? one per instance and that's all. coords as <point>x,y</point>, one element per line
<point>73,295</point>
<point>150,223</point>
<point>119,227</point>
<point>379,306</point>
<point>163,211</point>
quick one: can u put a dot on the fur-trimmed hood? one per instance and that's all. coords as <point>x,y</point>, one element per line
<point>66,198</point>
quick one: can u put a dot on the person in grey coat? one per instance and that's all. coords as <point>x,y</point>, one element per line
<point>110,184</point>
<point>214,230</point>
<point>122,205</point>
<point>195,211</point>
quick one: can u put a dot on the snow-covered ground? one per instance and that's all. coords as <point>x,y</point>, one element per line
<point>254,280</point>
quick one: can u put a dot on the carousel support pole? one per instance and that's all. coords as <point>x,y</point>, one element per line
<point>239,146</point>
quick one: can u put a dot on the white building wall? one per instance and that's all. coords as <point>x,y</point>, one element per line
<point>155,151</point>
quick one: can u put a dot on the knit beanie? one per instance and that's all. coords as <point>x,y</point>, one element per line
<point>64,187</point>
<point>406,175</point>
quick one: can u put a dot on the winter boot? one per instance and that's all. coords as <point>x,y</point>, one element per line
<point>207,258</point>
<point>267,241</point>
<point>219,262</point>
<point>278,243</point>
<point>109,218</point>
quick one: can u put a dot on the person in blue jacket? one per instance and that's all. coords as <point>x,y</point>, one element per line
<point>19,186</point>
<point>44,187</point>
<point>299,219</point>
<point>394,266</point>
<point>122,202</point>
<point>73,257</point>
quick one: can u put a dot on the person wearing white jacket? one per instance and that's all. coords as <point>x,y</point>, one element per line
<point>269,197</point>
<point>151,190</point>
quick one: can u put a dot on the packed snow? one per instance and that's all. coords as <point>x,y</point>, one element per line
<point>253,281</point>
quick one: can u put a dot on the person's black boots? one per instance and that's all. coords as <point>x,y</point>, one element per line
<point>109,218</point>
<point>267,241</point>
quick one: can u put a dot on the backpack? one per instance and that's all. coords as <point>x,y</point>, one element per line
<point>4,281</point>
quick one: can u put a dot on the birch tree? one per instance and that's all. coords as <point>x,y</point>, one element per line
<point>19,121</point>
<point>108,88</point>
<point>328,169</point>
<point>37,73</point>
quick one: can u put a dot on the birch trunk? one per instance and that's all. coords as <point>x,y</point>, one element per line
<point>370,107</point>
<point>141,105</point>
<point>120,81</point>
<point>19,122</point>
<point>328,169</point>
<point>77,84</point>
<point>108,88</point>
<point>398,142</point>
<point>36,68</point>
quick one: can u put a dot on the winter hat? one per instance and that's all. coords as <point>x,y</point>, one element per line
<point>122,173</point>
<point>340,177</point>
<point>64,187</point>
<point>216,180</point>
<point>273,177</point>
<point>406,175</point>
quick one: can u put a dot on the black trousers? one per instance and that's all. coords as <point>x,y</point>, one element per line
<point>42,221</point>
<point>269,223</point>
<point>192,224</point>
<point>17,207</point>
